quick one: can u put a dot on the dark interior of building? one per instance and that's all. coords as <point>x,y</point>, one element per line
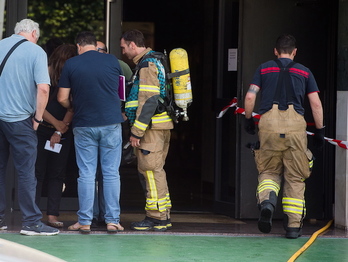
<point>208,166</point>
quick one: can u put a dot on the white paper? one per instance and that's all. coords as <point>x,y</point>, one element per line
<point>56,148</point>
<point>232,59</point>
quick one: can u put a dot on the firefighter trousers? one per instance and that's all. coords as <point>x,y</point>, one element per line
<point>283,153</point>
<point>151,157</point>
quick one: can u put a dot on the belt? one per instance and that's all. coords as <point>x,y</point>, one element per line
<point>47,125</point>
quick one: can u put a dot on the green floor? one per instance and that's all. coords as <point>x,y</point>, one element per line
<point>122,247</point>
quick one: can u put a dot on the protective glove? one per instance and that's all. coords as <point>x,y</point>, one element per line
<point>249,126</point>
<point>318,141</point>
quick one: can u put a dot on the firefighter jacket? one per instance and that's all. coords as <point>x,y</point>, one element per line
<point>142,102</point>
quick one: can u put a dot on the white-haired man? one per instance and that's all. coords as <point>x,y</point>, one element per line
<point>24,83</point>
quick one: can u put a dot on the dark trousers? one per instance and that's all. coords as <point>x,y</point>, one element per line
<point>51,166</point>
<point>21,139</point>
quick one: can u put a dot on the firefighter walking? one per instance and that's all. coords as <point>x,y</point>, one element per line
<point>283,151</point>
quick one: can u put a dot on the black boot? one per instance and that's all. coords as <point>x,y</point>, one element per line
<point>150,224</point>
<point>266,214</point>
<point>267,208</point>
<point>293,232</point>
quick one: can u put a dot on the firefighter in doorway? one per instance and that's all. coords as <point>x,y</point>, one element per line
<point>150,131</point>
<point>282,134</point>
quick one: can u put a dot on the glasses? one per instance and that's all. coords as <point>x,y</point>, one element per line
<point>101,50</point>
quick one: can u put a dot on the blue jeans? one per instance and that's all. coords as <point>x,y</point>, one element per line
<point>21,139</point>
<point>107,142</point>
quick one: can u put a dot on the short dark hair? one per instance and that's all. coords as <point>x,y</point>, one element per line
<point>285,44</point>
<point>86,38</point>
<point>134,36</point>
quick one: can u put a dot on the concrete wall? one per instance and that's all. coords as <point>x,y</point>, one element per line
<point>341,179</point>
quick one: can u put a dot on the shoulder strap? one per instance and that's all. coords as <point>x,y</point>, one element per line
<point>136,69</point>
<point>284,80</point>
<point>9,53</point>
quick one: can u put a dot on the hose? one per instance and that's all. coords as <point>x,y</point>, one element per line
<point>310,241</point>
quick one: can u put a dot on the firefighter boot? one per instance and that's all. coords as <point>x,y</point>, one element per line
<point>150,224</point>
<point>267,208</point>
<point>169,223</point>
<point>293,232</point>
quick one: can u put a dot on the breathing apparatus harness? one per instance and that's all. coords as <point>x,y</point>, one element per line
<point>165,100</point>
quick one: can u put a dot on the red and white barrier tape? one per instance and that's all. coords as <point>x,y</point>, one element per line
<point>238,110</point>
<point>233,103</point>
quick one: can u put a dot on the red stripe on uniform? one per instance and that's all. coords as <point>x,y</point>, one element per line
<point>270,70</point>
<point>299,72</point>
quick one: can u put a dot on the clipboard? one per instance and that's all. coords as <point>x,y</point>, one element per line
<point>122,88</point>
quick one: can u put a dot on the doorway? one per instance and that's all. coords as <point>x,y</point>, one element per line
<point>204,171</point>
<point>226,171</point>
<point>313,25</point>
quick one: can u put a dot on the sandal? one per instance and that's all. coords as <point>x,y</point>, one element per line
<point>114,228</point>
<point>82,228</point>
<point>56,224</point>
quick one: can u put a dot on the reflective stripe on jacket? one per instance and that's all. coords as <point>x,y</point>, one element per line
<point>142,101</point>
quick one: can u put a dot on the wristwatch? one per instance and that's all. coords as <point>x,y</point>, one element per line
<point>38,121</point>
<point>58,133</point>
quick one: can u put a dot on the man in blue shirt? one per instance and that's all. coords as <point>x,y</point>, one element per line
<point>24,88</point>
<point>92,80</point>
